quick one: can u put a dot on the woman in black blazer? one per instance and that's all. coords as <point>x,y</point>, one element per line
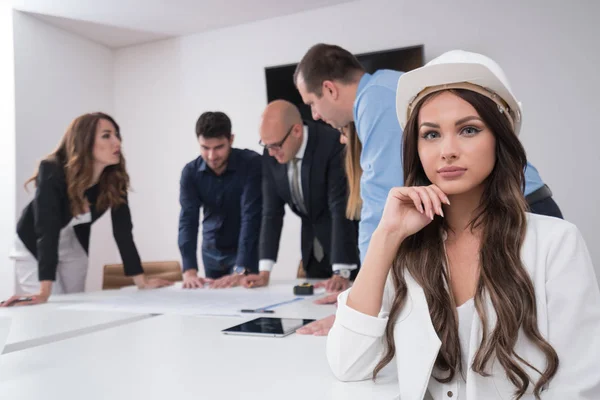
<point>75,185</point>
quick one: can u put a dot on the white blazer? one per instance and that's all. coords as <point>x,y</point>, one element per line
<point>568,312</point>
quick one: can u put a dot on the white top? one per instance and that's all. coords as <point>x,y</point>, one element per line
<point>556,258</point>
<point>266,264</point>
<point>66,241</point>
<point>465,321</point>
<point>465,313</point>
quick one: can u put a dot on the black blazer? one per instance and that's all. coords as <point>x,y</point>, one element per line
<point>42,220</point>
<point>324,188</point>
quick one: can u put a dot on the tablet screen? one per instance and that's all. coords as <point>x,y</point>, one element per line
<point>268,326</point>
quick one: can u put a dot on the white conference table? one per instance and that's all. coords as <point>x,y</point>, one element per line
<point>45,323</point>
<point>175,356</point>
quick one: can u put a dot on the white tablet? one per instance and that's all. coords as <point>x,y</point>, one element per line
<point>263,326</point>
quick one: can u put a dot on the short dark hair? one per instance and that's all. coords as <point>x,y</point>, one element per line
<point>213,124</point>
<point>325,62</point>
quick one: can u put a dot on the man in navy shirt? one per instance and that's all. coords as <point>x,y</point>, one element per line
<point>226,183</point>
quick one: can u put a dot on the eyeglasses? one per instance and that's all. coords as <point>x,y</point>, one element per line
<point>277,146</point>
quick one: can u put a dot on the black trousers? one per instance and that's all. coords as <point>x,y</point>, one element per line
<point>318,269</point>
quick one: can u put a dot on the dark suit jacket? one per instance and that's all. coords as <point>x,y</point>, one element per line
<point>50,211</point>
<point>324,188</point>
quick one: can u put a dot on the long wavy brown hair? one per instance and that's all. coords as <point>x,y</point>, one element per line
<point>75,154</point>
<point>353,171</point>
<point>502,221</point>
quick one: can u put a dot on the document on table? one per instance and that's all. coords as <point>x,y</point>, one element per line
<point>175,300</point>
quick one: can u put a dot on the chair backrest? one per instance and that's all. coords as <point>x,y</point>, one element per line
<point>114,274</point>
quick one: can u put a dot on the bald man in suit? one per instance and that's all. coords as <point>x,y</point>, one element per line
<point>303,168</point>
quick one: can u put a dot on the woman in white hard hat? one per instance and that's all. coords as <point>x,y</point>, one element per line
<point>469,294</point>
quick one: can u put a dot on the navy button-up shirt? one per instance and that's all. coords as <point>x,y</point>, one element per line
<point>232,207</point>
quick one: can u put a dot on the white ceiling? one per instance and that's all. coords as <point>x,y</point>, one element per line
<point>120,23</point>
<point>110,36</point>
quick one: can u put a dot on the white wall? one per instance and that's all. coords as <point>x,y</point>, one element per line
<point>548,49</point>
<point>160,91</point>
<point>7,146</point>
<point>59,76</point>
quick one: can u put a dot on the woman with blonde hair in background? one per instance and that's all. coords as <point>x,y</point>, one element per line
<point>349,137</point>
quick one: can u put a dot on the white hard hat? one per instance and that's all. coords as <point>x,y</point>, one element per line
<point>449,71</point>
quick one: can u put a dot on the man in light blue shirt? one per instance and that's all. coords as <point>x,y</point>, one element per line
<point>378,129</point>
<point>338,90</point>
